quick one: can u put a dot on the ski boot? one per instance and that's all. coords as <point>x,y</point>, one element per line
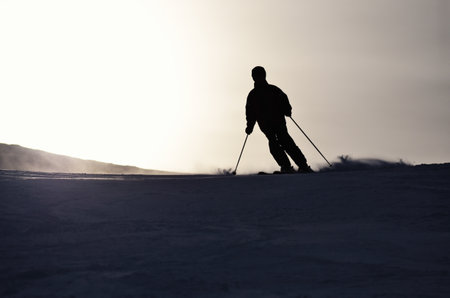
<point>305,170</point>
<point>287,170</point>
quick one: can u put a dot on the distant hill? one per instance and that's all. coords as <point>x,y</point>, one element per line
<point>15,157</point>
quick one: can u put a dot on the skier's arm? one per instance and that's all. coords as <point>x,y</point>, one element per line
<point>287,109</point>
<point>250,114</point>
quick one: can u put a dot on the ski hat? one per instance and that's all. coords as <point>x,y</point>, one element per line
<point>258,73</point>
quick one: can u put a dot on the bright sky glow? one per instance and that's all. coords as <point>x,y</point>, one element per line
<point>163,84</point>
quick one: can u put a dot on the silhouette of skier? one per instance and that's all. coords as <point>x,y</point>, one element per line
<point>268,105</point>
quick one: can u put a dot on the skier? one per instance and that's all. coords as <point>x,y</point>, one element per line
<point>268,105</point>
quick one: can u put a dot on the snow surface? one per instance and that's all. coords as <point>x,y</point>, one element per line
<point>377,232</point>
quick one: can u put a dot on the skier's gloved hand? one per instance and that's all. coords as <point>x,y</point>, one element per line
<point>249,130</point>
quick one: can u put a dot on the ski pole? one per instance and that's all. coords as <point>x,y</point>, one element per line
<point>234,173</point>
<point>310,141</point>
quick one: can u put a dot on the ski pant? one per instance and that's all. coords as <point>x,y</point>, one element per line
<point>280,143</point>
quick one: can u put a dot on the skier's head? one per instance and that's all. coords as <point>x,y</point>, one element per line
<point>259,74</point>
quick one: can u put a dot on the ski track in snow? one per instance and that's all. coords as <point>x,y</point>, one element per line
<point>370,233</point>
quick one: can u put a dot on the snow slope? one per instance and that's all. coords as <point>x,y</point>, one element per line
<point>381,232</point>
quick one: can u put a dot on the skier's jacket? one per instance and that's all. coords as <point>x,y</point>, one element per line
<point>268,105</point>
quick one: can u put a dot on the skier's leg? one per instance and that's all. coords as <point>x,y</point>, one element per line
<point>291,148</point>
<point>276,150</point>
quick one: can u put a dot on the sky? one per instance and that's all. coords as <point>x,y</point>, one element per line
<point>163,84</point>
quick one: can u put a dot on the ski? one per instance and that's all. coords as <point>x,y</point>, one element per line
<point>284,173</point>
<point>274,173</point>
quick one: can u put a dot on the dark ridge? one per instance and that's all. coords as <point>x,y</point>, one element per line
<point>18,158</point>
